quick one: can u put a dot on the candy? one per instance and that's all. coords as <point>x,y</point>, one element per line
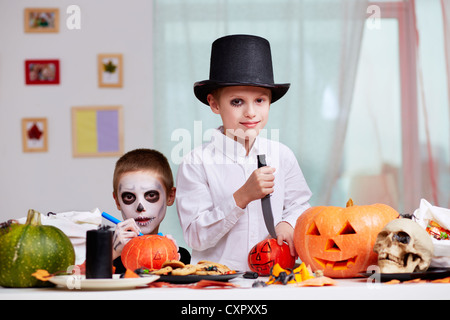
<point>437,232</point>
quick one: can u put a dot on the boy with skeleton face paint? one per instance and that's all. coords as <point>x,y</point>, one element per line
<point>143,188</point>
<point>142,201</point>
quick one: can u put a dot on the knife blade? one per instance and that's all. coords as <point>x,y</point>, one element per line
<point>265,203</point>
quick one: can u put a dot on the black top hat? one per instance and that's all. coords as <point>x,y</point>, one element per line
<point>240,60</point>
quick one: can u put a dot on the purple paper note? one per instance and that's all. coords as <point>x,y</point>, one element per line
<point>108,130</point>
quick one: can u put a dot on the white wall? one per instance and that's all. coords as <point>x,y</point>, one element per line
<point>54,180</point>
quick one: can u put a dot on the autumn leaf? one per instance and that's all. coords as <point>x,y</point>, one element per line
<point>34,132</point>
<point>110,67</point>
<point>42,275</point>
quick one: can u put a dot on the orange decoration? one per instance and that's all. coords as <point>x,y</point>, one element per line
<point>148,251</point>
<point>130,274</point>
<point>444,280</point>
<point>317,282</point>
<point>393,281</point>
<point>265,254</point>
<point>42,275</point>
<point>299,274</point>
<point>338,240</point>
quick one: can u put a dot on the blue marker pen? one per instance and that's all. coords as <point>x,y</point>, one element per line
<point>114,219</point>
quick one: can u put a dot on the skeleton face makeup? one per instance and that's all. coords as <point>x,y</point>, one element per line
<point>141,196</point>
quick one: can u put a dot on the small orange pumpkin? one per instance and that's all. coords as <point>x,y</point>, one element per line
<point>338,240</point>
<point>267,253</point>
<point>148,251</point>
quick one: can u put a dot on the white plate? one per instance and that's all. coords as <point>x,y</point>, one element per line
<point>74,282</point>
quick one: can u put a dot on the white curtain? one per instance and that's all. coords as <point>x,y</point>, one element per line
<point>445,4</point>
<point>433,31</point>
<point>315,47</point>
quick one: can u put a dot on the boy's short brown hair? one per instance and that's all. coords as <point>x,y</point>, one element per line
<point>144,159</point>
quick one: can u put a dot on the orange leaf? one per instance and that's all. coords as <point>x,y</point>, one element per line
<point>417,280</point>
<point>130,274</point>
<point>42,275</point>
<point>318,282</point>
<point>393,281</point>
<point>210,284</point>
<point>444,280</point>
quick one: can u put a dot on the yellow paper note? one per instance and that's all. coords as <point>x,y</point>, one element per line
<point>86,131</point>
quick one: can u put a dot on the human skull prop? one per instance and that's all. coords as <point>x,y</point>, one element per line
<point>403,246</point>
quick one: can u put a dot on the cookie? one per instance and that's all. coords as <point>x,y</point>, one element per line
<point>207,273</point>
<point>162,271</point>
<point>188,269</point>
<point>213,267</point>
<point>175,264</point>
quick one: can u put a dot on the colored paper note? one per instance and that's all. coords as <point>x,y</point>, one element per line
<point>108,131</point>
<point>86,131</point>
<point>97,131</point>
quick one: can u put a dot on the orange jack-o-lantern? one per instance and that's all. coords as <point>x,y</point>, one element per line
<point>265,254</point>
<point>148,251</point>
<point>338,240</point>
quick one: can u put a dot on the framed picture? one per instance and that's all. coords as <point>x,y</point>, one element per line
<point>97,131</point>
<point>34,135</point>
<point>41,72</point>
<point>110,70</point>
<point>38,20</point>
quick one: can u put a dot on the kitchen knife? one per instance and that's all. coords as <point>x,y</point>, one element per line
<point>265,203</point>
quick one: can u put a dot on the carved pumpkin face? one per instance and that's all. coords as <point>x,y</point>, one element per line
<point>148,251</point>
<point>265,254</point>
<point>340,241</point>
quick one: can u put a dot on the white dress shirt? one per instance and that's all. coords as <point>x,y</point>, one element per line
<point>213,225</point>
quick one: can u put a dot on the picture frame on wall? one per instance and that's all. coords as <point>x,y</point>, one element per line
<point>41,20</point>
<point>97,131</point>
<point>110,70</point>
<point>34,135</point>
<point>41,72</point>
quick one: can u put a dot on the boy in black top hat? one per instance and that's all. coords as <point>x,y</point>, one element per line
<point>219,184</point>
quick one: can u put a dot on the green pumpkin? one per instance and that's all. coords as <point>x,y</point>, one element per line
<point>28,247</point>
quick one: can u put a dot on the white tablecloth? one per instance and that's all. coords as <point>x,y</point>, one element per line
<point>345,289</point>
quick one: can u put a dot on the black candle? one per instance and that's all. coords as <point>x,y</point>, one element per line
<point>99,250</point>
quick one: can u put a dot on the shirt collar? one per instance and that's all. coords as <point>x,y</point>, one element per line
<point>235,150</point>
